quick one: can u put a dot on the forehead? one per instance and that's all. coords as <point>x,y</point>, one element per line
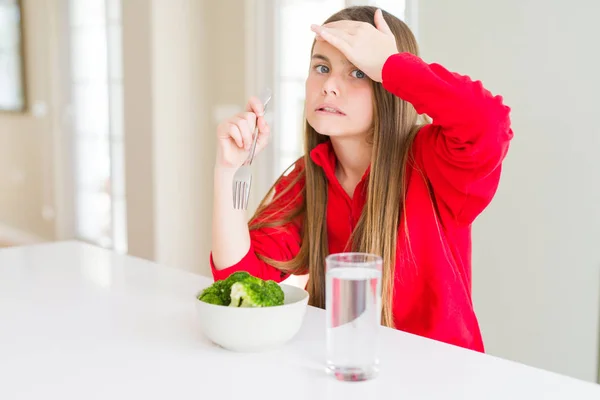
<point>333,54</point>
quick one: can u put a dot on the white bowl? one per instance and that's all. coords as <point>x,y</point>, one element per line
<point>244,329</point>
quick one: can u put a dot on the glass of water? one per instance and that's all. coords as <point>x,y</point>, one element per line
<point>353,307</point>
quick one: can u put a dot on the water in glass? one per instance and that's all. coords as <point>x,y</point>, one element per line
<point>353,306</point>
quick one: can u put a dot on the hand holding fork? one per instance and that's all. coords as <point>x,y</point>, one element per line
<point>240,138</point>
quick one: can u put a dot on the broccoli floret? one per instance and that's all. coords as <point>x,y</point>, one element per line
<point>274,292</point>
<point>240,276</point>
<point>241,289</point>
<point>212,298</point>
<point>216,293</point>
<point>252,294</point>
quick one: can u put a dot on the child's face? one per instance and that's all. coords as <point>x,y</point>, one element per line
<point>339,97</point>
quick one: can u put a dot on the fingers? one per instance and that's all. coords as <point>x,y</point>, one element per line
<point>256,106</point>
<point>264,133</point>
<point>349,26</point>
<point>235,133</point>
<point>254,109</point>
<point>240,128</point>
<point>319,38</point>
<point>334,36</point>
<point>380,22</point>
<point>262,125</point>
<point>245,125</point>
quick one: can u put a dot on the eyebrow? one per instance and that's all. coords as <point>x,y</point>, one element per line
<point>320,57</point>
<point>317,56</point>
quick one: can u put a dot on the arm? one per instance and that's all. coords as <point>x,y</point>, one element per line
<point>461,152</point>
<point>233,245</point>
<point>230,236</point>
<point>237,247</point>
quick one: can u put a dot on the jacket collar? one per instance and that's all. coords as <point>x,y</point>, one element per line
<point>324,156</point>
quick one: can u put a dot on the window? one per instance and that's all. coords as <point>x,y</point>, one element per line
<point>395,7</point>
<point>97,102</point>
<point>12,96</point>
<point>293,20</point>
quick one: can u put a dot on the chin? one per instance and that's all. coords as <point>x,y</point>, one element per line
<point>334,130</point>
<point>329,131</point>
<point>331,128</point>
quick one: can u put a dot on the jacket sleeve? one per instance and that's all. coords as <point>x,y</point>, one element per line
<point>281,243</point>
<point>461,151</point>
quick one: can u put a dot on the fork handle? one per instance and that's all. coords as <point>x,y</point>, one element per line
<point>253,147</point>
<point>265,97</point>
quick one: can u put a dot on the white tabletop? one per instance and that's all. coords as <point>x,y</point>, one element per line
<point>79,322</point>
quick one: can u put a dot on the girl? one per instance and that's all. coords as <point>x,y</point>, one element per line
<point>372,179</point>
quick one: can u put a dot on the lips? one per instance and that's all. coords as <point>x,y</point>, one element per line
<point>329,109</point>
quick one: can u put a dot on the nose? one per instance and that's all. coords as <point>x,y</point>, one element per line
<point>331,86</point>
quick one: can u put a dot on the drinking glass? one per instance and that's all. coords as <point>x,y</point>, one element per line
<point>353,307</point>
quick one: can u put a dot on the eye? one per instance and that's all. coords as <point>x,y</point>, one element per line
<point>322,69</point>
<point>357,73</point>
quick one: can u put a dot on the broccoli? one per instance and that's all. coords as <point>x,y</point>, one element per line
<point>252,294</point>
<point>241,289</point>
<point>274,292</point>
<point>217,293</point>
<point>212,298</point>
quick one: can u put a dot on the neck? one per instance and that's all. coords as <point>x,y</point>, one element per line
<point>354,156</point>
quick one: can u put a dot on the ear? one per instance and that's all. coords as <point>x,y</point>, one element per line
<point>380,22</point>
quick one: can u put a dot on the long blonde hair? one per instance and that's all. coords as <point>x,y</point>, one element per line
<point>394,128</point>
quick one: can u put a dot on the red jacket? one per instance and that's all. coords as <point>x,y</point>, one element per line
<point>460,154</point>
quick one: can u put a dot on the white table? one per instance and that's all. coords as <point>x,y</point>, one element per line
<point>79,322</point>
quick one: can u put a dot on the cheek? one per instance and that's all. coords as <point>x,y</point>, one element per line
<point>312,94</point>
<point>363,106</point>
<point>312,87</point>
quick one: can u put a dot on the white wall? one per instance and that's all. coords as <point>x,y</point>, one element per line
<point>138,92</point>
<point>174,77</point>
<point>537,248</point>
<point>184,147</point>
<point>169,150</point>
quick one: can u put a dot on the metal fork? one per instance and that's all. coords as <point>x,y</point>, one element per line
<point>242,179</point>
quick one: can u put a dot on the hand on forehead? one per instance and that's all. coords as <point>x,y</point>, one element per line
<point>348,26</point>
<point>364,45</point>
<point>330,54</point>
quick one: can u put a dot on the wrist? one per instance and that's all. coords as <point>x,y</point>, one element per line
<point>385,61</point>
<point>224,171</point>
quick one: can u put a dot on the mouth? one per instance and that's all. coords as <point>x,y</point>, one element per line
<point>329,109</point>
